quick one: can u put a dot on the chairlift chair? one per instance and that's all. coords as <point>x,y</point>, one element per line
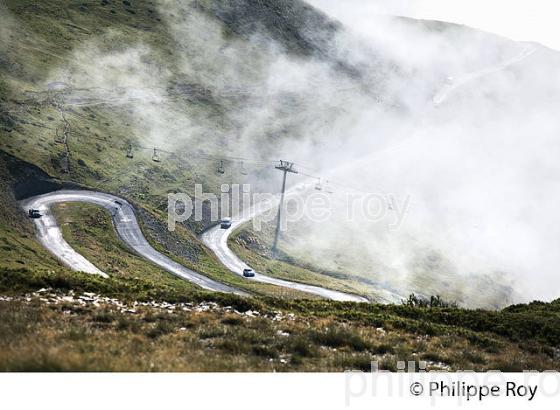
<point>319,186</point>
<point>242,169</point>
<point>155,156</point>
<point>221,169</point>
<point>129,153</point>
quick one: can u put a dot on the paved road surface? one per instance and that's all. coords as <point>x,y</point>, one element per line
<point>125,222</point>
<point>216,239</point>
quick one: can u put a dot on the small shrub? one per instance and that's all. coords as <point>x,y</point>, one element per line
<point>388,365</point>
<point>160,329</point>
<point>473,357</point>
<point>432,302</point>
<point>104,317</point>
<point>149,318</point>
<point>234,346</point>
<point>489,345</point>
<point>232,320</point>
<point>265,351</point>
<point>301,347</point>
<point>296,360</point>
<point>360,362</point>
<point>124,324</point>
<point>211,333</point>
<point>337,337</point>
<point>433,357</point>
<point>383,348</point>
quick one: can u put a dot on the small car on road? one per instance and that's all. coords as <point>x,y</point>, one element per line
<point>249,273</point>
<point>225,223</point>
<point>34,213</point>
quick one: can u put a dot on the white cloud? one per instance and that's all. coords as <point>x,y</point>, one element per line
<point>523,20</point>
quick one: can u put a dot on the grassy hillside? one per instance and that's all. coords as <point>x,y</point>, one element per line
<point>93,329</point>
<point>256,251</point>
<point>83,82</point>
<point>89,230</point>
<point>18,245</point>
<point>80,83</point>
<point>56,116</point>
<point>432,275</point>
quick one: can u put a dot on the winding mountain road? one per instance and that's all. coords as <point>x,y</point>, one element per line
<point>124,220</point>
<point>216,239</point>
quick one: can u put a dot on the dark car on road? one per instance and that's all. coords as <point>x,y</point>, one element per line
<point>225,223</point>
<point>249,273</point>
<point>34,213</point>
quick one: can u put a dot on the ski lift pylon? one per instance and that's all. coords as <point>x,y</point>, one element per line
<point>328,189</point>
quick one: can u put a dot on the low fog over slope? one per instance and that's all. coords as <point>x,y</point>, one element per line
<point>474,146</point>
<point>460,123</point>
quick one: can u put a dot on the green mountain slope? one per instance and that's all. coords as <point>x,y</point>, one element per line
<point>82,84</point>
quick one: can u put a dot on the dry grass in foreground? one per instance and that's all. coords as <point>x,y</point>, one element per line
<point>49,331</point>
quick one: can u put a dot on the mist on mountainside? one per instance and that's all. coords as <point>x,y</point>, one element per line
<point>460,123</point>
<point>477,162</point>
